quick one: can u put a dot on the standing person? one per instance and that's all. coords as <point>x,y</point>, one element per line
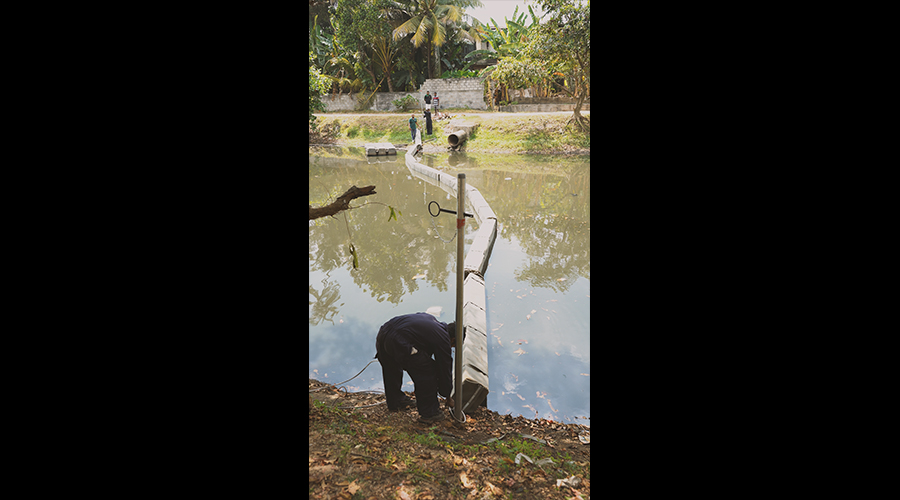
<point>427,99</point>
<point>427,120</point>
<point>436,101</point>
<point>412,125</point>
<point>408,343</point>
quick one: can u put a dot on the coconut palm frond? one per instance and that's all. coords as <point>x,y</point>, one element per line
<point>422,31</point>
<point>534,18</point>
<point>450,12</point>
<point>439,34</point>
<point>466,35</point>
<point>410,26</point>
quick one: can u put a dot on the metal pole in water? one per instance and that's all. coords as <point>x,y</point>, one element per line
<point>460,247</point>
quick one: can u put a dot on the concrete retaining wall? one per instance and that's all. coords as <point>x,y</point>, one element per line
<point>341,102</point>
<point>475,383</point>
<point>454,93</point>
<point>383,101</point>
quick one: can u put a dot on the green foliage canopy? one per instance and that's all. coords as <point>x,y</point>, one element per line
<point>318,86</point>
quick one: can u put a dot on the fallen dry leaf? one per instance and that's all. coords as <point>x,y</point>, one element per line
<point>493,489</point>
<point>519,351</point>
<point>465,481</point>
<point>352,489</point>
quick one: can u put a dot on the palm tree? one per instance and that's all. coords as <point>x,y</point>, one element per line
<point>427,21</point>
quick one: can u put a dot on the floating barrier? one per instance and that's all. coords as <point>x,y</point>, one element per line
<point>475,381</point>
<point>380,148</point>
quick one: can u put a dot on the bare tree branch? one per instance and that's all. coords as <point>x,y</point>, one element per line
<point>341,203</point>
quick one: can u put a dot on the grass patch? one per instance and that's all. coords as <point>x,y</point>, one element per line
<point>531,134</point>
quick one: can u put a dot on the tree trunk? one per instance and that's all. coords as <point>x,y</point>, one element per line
<point>341,203</point>
<point>437,61</point>
<point>578,101</point>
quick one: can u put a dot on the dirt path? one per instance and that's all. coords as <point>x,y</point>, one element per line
<point>455,114</point>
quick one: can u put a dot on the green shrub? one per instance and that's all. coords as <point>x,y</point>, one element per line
<point>407,103</point>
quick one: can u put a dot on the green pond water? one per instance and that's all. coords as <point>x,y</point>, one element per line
<point>537,283</point>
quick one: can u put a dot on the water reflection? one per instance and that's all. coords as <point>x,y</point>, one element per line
<point>324,307</point>
<point>538,280</point>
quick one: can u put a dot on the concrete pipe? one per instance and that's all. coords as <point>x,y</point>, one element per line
<point>457,138</point>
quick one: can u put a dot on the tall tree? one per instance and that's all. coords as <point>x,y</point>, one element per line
<point>564,42</point>
<point>318,84</point>
<point>427,21</point>
<point>365,31</point>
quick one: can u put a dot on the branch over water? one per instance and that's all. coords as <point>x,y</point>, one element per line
<point>341,203</point>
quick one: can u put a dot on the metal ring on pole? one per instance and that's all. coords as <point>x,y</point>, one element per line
<point>438,207</point>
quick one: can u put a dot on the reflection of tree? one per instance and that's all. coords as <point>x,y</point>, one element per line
<point>390,253</point>
<point>325,302</point>
<point>549,215</point>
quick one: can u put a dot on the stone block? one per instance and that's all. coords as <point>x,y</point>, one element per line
<point>475,319</point>
<point>480,206</point>
<point>476,259</point>
<point>475,388</point>
<point>474,292</point>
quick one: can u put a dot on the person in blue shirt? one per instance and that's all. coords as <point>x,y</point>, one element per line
<point>408,343</point>
<point>412,126</point>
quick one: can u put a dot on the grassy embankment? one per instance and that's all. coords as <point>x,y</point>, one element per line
<point>510,133</point>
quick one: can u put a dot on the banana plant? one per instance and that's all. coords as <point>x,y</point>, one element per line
<point>331,59</point>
